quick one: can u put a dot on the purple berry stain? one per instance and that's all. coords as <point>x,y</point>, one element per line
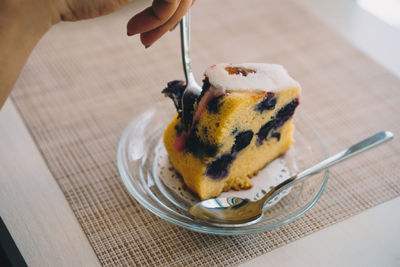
<point>242,140</point>
<point>214,105</point>
<point>174,91</point>
<point>276,135</point>
<point>264,131</point>
<point>219,168</point>
<point>199,148</point>
<point>284,114</point>
<point>267,103</point>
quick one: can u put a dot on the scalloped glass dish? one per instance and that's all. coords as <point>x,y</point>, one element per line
<point>138,166</point>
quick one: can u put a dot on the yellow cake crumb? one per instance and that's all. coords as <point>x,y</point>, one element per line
<point>235,136</point>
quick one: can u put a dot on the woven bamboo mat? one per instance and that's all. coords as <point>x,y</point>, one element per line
<point>86,80</point>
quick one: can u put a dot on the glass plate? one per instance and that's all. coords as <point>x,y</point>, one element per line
<point>139,147</point>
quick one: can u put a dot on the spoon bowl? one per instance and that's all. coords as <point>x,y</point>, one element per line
<point>238,212</point>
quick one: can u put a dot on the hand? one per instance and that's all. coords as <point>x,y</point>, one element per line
<point>73,10</point>
<point>156,20</point>
<point>151,23</point>
<point>24,22</point>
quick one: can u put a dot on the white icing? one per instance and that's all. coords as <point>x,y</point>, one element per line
<point>267,77</point>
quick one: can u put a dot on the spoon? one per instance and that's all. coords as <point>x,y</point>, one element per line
<point>238,212</point>
<point>193,89</point>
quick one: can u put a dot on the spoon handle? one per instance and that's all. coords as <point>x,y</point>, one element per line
<point>185,48</point>
<point>366,144</point>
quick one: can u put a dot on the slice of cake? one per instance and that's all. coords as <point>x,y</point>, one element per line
<point>242,120</point>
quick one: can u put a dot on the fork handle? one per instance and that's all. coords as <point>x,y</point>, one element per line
<point>366,144</point>
<point>185,48</point>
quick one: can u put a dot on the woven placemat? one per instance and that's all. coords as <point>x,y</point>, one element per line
<point>85,81</point>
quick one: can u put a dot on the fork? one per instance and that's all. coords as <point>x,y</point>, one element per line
<point>193,89</point>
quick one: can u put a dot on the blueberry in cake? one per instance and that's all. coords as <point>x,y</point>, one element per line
<point>241,121</point>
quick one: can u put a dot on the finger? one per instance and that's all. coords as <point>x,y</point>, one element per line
<point>150,37</point>
<point>174,27</point>
<point>152,17</point>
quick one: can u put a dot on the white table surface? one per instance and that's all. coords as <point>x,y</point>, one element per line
<point>47,233</point>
